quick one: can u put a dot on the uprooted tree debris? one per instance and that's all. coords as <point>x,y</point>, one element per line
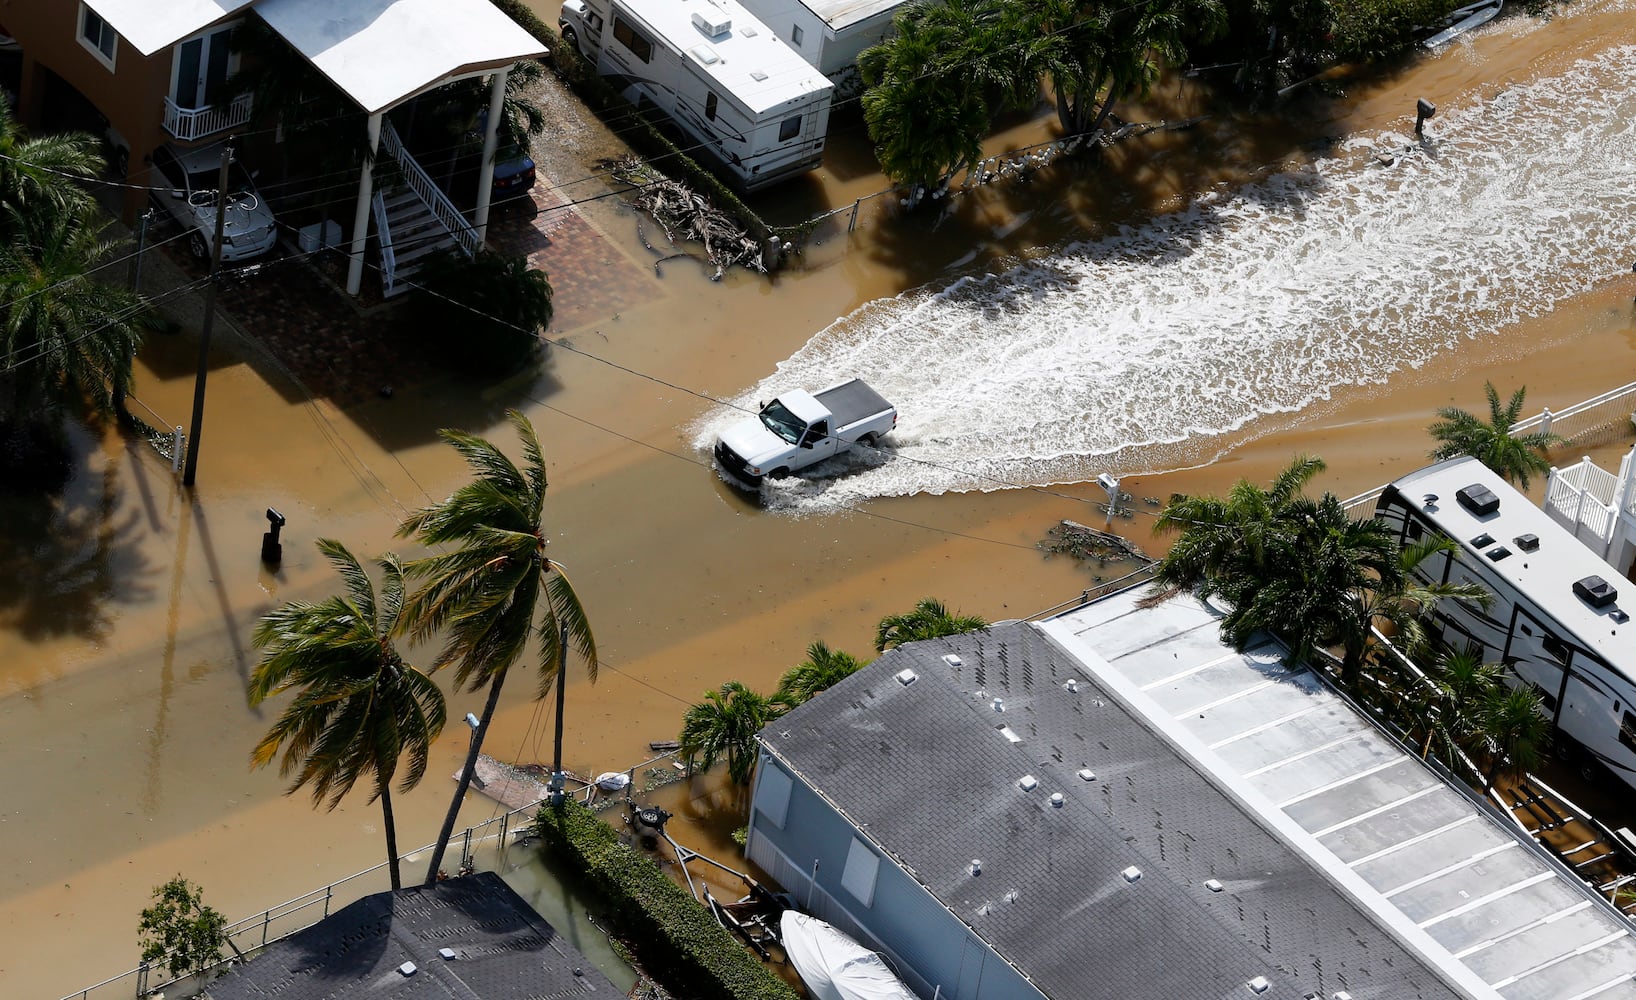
<point>685,215</point>
<point>1082,542</point>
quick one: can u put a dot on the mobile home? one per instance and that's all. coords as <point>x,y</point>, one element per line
<point>747,101</point>
<point>1556,620</point>
<point>829,34</point>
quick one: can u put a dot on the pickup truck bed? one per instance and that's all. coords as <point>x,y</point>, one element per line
<point>852,401</point>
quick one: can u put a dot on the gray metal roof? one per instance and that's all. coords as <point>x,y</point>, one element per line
<point>502,950</point>
<point>923,771</point>
<point>1547,574</point>
<point>1480,894</point>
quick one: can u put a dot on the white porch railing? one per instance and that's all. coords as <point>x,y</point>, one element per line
<point>389,258</point>
<point>196,123</point>
<point>421,183</point>
<point>1590,501</point>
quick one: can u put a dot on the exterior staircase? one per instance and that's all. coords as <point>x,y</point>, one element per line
<point>414,219</point>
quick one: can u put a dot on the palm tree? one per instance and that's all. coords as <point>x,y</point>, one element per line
<point>1465,685</point>
<point>1225,539</point>
<point>726,724</point>
<point>822,669</point>
<point>1514,459</point>
<point>489,589</point>
<point>1096,54</point>
<point>927,105</point>
<point>1514,729</point>
<point>929,620</point>
<point>1399,602</point>
<point>66,334</point>
<point>37,175</point>
<point>360,708</point>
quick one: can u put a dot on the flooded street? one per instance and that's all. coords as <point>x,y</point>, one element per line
<point>1312,301</point>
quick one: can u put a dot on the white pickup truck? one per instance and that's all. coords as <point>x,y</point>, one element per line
<point>800,428</point>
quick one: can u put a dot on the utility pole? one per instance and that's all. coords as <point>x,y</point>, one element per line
<point>192,466</point>
<point>555,798</point>
<point>136,287</point>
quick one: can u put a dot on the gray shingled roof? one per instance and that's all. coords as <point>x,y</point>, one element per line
<point>924,772</point>
<point>502,950</point>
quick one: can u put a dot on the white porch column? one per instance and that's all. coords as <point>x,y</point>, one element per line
<point>485,176</point>
<point>360,213</point>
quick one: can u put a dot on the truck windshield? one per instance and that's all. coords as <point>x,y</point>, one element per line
<point>782,422</point>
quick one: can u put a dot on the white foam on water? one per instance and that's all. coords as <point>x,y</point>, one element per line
<point>1171,335</point>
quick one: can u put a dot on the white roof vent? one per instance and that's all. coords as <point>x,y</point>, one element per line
<point>1259,984</point>
<point>999,704</point>
<point>447,954</point>
<point>1071,685</point>
<point>705,54</point>
<point>1028,783</point>
<point>976,866</point>
<point>407,969</point>
<point>1086,774</point>
<point>1057,800</point>
<point>712,21</point>
<point>758,75</point>
<point>748,31</point>
<point>1342,995</point>
<point>952,660</point>
<point>1214,884</point>
<point>906,676</point>
<point>1132,873</point>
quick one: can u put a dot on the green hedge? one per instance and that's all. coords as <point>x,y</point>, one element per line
<point>636,129</point>
<point>674,936</point>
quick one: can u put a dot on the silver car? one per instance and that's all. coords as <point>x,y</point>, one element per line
<point>191,176</point>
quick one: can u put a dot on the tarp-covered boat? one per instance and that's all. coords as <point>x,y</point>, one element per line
<point>834,966</point>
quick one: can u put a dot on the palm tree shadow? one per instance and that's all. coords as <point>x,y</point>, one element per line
<point>65,561</point>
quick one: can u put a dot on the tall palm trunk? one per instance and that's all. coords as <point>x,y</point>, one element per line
<point>391,828</point>
<point>465,779</point>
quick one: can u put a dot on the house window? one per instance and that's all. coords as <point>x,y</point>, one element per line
<point>98,36</point>
<point>861,868</point>
<point>633,40</point>
<point>789,129</point>
<point>795,35</point>
<point>710,106</point>
<point>773,794</point>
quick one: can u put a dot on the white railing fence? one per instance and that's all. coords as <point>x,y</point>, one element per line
<point>275,923</point>
<point>420,182</point>
<point>196,123</point>
<point>1587,421</point>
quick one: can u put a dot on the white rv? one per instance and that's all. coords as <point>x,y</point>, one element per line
<point>748,102</point>
<point>829,34</point>
<point>1556,619</point>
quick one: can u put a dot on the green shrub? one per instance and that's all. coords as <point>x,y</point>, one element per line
<point>1372,29</point>
<point>674,936</point>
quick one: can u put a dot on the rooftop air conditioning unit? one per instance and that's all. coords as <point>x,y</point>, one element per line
<point>713,22</point>
<point>1477,498</point>
<point>1595,591</point>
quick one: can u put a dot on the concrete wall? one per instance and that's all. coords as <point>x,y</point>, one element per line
<point>934,951</point>
<point>130,96</point>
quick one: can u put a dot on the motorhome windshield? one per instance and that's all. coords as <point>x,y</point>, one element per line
<point>782,422</point>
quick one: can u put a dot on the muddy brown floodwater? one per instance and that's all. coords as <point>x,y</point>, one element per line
<point>125,615</point>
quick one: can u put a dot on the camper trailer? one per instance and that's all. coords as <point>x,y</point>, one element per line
<point>829,34</point>
<point>1556,619</point>
<point>745,100</point>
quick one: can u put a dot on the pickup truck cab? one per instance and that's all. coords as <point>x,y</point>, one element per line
<point>800,428</point>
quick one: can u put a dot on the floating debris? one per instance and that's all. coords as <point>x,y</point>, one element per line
<point>685,215</point>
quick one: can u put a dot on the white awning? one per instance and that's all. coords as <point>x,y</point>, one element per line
<point>383,52</point>
<point>151,25</point>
